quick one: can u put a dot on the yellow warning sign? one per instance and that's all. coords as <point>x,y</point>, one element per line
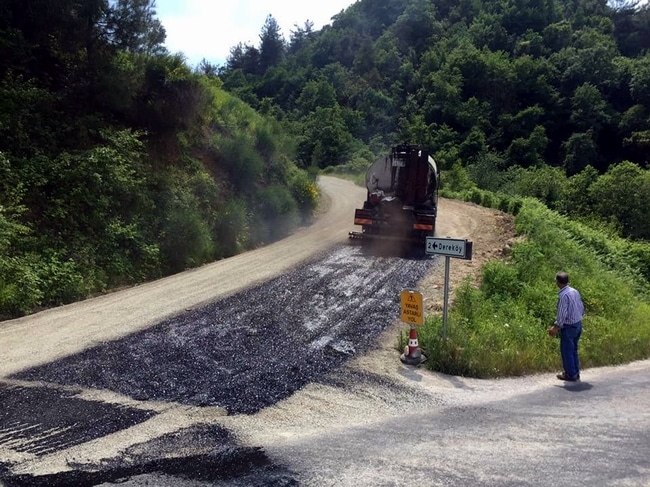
<point>412,307</point>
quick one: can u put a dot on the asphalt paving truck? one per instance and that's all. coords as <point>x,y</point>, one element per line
<point>402,198</point>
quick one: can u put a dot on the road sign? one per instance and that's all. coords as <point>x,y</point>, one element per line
<point>451,247</point>
<point>412,307</point>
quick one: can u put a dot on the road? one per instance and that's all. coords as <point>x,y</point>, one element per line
<point>278,367</point>
<point>69,329</point>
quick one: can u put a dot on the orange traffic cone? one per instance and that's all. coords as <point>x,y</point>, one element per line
<point>412,354</point>
<point>413,340</point>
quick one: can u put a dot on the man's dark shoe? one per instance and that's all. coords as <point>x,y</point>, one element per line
<point>568,378</point>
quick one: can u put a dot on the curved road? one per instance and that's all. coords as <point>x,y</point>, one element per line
<point>59,332</point>
<point>115,389</point>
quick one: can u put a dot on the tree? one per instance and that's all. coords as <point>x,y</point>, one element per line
<point>640,82</point>
<point>557,36</point>
<point>299,36</point>
<point>441,94</point>
<point>543,182</point>
<point>576,200</point>
<point>580,151</point>
<point>207,68</point>
<point>591,60</point>
<point>244,57</point>
<point>520,124</point>
<point>521,15</point>
<point>132,26</point>
<point>315,94</point>
<point>632,27</point>
<point>326,138</point>
<point>51,41</point>
<point>589,110</point>
<point>622,196</point>
<point>486,31</point>
<point>416,26</point>
<point>272,45</point>
<point>486,75</point>
<point>529,151</point>
<point>473,146</point>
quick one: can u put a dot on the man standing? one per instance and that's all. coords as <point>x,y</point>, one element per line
<point>570,311</point>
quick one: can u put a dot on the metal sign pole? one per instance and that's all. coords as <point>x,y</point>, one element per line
<point>449,247</point>
<point>445,304</point>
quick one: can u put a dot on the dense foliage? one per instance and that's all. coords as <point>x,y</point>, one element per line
<point>531,81</point>
<point>118,163</point>
<point>529,97</point>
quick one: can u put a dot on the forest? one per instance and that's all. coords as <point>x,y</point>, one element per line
<point>120,163</point>
<point>529,97</point>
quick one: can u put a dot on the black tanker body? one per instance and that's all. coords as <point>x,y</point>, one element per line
<point>402,198</point>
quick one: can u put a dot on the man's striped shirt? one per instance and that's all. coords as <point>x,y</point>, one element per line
<point>569,307</point>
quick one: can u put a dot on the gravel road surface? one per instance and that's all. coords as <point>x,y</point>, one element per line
<point>279,367</point>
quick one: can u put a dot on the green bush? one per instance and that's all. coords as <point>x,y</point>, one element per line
<point>20,285</point>
<point>61,280</point>
<point>515,206</point>
<point>185,230</point>
<point>500,280</point>
<point>476,196</point>
<point>638,255</point>
<point>456,179</point>
<point>232,230</point>
<point>504,203</point>
<point>243,163</point>
<point>487,171</point>
<point>487,200</point>
<point>622,195</point>
<point>186,240</point>
<point>545,183</point>
<point>305,192</point>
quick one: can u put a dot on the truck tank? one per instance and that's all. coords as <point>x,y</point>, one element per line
<point>402,197</point>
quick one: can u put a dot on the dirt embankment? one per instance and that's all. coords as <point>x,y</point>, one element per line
<point>492,233</point>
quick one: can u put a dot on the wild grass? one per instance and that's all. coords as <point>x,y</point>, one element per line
<point>500,328</point>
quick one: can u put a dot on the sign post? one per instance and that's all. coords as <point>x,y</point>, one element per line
<point>449,247</point>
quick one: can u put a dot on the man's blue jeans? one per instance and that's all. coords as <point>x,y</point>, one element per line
<point>569,336</point>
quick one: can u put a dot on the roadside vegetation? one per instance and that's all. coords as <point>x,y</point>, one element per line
<point>119,163</point>
<point>497,325</point>
<point>499,328</point>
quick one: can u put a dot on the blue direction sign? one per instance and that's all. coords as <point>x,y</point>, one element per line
<point>451,247</point>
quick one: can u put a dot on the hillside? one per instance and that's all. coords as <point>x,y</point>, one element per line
<point>489,84</point>
<point>118,163</point>
<point>524,98</point>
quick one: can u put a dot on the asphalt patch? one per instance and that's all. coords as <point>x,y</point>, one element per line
<point>255,348</point>
<point>40,420</point>
<point>207,467</point>
<point>215,457</point>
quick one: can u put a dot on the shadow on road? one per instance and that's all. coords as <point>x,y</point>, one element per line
<point>576,386</point>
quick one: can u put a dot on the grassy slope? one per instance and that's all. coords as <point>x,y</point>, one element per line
<point>500,329</point>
